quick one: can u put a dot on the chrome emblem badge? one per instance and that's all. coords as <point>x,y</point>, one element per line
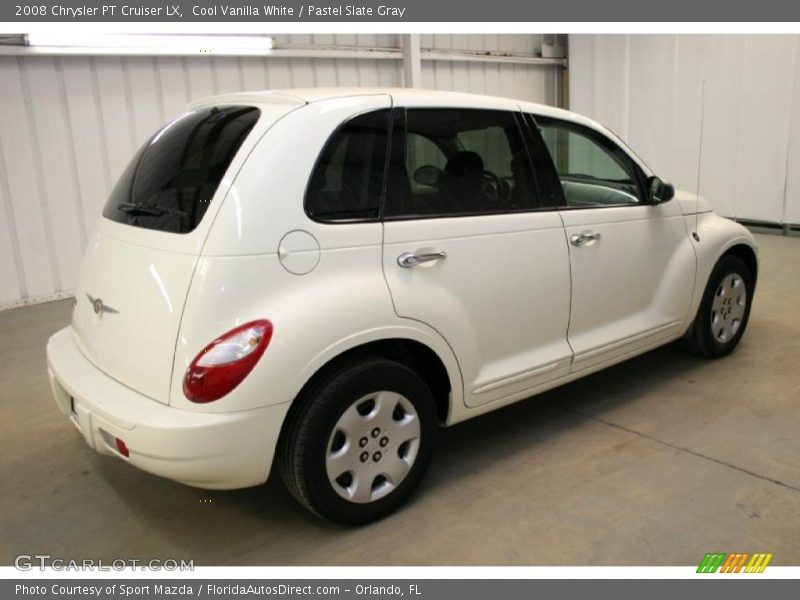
<point>98,306</point>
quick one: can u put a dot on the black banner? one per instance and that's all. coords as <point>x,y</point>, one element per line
<point>704,587</point>
<point>439,11</point>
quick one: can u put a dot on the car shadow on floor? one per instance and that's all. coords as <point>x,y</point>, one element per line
<point>246,519</point>
<point>477,443</point>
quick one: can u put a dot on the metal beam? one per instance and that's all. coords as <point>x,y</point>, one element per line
<point>493,57</point>
<point>412,61</point>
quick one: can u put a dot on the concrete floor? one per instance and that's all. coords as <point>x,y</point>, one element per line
<point>653,462</point>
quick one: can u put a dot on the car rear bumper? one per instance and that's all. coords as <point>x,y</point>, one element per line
<point>207,450</point>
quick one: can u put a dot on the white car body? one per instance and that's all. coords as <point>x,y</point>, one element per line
<point>514,310</point>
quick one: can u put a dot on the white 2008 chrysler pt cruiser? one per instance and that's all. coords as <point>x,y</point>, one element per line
<point>318,278</point>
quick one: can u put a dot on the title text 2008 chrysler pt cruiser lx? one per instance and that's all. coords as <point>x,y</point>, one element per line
<point>318,278</point>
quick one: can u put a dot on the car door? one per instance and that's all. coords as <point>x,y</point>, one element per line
<point>468,250</point>
<point>632,264</point>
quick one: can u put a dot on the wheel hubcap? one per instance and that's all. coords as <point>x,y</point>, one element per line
<point>727,310</point>
<point>372,447</point>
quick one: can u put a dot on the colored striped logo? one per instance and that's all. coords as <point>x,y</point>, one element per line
<point>738,562</point>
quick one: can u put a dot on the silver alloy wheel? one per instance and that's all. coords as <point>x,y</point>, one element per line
<point>372,447</point>
<point>727,310</point>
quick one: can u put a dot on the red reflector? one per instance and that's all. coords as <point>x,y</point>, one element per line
<point>123,449</point>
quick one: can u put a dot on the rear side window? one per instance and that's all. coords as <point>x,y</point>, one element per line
<point>169,184</point>
<point>453,162</point>
<point>347,181</point>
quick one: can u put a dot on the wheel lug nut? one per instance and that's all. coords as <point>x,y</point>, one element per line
<point>364,456</point>
<point>363,442</point>
<point>384,441</point>
<point>376,432</point>
<point>376,457</point>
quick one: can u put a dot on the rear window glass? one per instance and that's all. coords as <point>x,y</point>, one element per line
<point>459,162</point>
<point>169,184</point>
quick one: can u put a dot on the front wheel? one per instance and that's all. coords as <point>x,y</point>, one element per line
<point>724,310</point>
<point>360,440</point>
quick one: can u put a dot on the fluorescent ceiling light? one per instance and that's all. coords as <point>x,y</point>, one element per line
<point>12,39</point>
<point>151,44</point>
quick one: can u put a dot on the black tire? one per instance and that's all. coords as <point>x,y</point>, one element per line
<point>305,440</point>
<point>701,339</point>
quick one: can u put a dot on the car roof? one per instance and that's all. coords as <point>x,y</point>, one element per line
<point>411,96</point>
<point>400,96</point>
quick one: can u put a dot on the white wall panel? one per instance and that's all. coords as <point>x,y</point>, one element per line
<point>648,57</point>
<point>523,82</point>
<point>764,117</point>
<point>55,168</point>
<point>69,125</point>
<point>610,66</point>
<point>254,73</point>
<point>12,284</point>
<point>717,60</point>
<point>22,185</point>
<point>87,135</point>
<point>792,198</point>
<point>648,88</point>
<point>532,83</point>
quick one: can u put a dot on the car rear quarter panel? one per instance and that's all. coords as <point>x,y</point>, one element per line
<point>342,303</point>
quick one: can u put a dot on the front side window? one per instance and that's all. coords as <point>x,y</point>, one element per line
<point>453,162</point>
<point>593,170</point>
<point>169,184</point>
<point>347,181</point>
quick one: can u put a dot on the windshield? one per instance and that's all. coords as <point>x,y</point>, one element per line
<point>169,184</point>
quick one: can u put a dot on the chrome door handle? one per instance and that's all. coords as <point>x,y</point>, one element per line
<point>579,239</point>
<point>409,259</point>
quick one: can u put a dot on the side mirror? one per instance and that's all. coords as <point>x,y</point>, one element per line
<point>659,191</point>
<point>428,175</point>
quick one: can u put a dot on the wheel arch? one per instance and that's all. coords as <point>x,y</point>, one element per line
<point>747,254</point>
<point>719,237</point>
<point>440,373</point>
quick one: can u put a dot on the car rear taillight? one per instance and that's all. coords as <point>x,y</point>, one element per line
<point>225,362</point>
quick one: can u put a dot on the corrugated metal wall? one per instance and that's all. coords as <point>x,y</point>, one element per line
<point>525,82</point>
<point>68,126</point>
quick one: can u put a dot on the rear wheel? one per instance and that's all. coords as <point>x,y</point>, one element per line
<point>724,310</point>
<point>360,440</point>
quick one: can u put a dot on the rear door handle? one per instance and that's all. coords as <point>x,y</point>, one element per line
<point>409,259</point>
<point>579,239</point>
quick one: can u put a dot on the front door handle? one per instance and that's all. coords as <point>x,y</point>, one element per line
<point>579,239</point>
<point>409,259</point>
